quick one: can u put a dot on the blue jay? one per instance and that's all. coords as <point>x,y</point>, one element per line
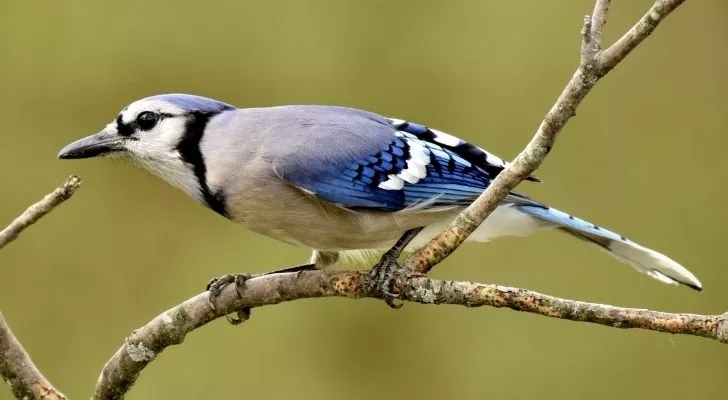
<point>334,179</point>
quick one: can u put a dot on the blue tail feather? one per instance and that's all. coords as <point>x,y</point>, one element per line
<point>565,220</point>
<point>643,259</point>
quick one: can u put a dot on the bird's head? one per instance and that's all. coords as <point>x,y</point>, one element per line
<point>161,134</point>
<point>152,128</point>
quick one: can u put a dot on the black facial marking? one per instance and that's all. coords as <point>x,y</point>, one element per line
<point>145,121</point>
<point>123,129</point>
<point>189,149</point>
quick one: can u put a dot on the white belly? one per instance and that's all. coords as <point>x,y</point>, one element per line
<point>503,221</point>
<point>301,219</point>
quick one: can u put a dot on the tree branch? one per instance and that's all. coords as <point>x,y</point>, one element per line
<point>610,57</point>
<point>16,367</point>
<point>171,327</point>
<point>39,210</point>
<point>598,20</point>
<point>593,66</point>
<point>19,372</point>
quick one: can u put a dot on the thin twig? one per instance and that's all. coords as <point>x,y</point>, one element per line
<point>39,209</point>
<point>171,327</point>
<point>593,66</point>
<point>19,372</point>
<point>610,57</point>
<point>598,20</point>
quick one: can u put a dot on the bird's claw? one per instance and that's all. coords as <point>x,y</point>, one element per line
<point>382,278</point>
<point>215,286</point>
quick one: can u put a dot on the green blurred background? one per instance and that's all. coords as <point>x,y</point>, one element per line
<point>645,156</point>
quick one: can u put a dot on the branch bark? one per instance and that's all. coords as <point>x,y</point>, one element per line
<point>16,367</point>
<point>170,328</point>
<point>594,64</point>
<point>19,372</point>
<point>39,210</point>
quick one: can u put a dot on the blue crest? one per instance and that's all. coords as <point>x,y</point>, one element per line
<point>194,103</point>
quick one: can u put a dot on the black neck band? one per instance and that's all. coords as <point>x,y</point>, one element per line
<point>189,149</point>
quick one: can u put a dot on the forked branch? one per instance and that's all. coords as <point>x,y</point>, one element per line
<point>595,63</point>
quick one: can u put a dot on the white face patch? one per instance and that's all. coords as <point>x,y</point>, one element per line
<point>156,149</point>
<point>159,141</point>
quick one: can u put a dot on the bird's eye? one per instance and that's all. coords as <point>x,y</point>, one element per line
<point>147,120</point>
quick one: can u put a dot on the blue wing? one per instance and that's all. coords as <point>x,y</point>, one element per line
<point>413,165</point>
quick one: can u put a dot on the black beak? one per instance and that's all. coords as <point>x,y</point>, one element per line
<point>92,146</point>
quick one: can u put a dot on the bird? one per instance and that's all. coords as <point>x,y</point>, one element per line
<point>333,179</point>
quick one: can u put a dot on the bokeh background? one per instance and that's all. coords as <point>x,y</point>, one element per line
<point>645,156</point>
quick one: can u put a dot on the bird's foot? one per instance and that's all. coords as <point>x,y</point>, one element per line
<point>385,274</point>
<point>216,285</point>
<point>382,279</point>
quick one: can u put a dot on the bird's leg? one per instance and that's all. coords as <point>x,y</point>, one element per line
<point>383,274</point>
<point>216,284</point>
<point>296,268</point>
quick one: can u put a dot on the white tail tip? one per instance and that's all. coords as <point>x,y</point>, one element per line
<point>654,264</point>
